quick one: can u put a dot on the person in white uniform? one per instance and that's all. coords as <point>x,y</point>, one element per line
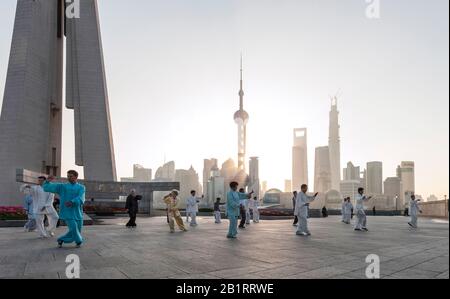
<point>217,212</point>
<point>347,210</point>
<point>361,219</point>
<point>192,207</point>
<point>254,204</point>
<point>414,210</point>
<point>43,206</point>
<point>301,210</point>
<point>343,209</point>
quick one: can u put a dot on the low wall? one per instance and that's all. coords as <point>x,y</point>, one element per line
<point>437,208</point>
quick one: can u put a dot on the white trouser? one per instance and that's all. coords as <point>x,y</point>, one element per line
<point>414,220</point>
<point>193,218</point>
<point>255,215</point>
<point>217,216</point>
<point>247,216</point>
<point>52,217</point>
<point>361,221</point>
<point>347,217</point>
<point>302,224</point>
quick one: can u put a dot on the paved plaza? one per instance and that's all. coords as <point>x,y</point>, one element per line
<point>269,249</point>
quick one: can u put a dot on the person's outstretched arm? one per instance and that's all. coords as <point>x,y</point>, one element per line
<point>52,187</point>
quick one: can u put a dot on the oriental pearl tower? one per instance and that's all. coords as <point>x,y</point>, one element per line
<point>241,119</point>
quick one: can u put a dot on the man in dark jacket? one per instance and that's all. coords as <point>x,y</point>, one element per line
<point>132,206</point>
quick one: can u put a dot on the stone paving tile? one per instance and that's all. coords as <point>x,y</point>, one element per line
<point>12,270</point>
<point>269,249</point>
<point>99,273</point>
<point>414,274</point>
<point>321,273</point>
<point>149,271</point>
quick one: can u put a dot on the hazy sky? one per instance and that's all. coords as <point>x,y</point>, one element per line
<point>173,78</point>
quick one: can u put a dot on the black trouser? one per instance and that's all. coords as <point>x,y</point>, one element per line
<point>243,217</point>
<point>295,219</point>
<point>132,221</point>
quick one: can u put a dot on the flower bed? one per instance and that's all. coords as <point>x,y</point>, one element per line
<point>275,212</point>
<point>12,213</point>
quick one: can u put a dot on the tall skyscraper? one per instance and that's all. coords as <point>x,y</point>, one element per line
<point>166,172</point>
<point>374,178</point>
<point>216,186</point>
<point>349,188</point>
<point>241,118</point>
<point>299,159</point>
<point>189,180</point>
<point>287,186</point>
<point>322,170</point>
<point>393,189</point>
<point>263,188</point>
<point>253,177</point>
<point>405,171</point>
<point>31,117</point>
<point>352,172</point>
<point>140,174</point>
<point>208,165</point>
<point>334,145</point>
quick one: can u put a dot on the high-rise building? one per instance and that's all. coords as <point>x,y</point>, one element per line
<point>393,190</point>
<point>349,188</point>
<point>374,178</point>
<point>208,165</point>
<point>31,116</point>
<point>241,119</point>
<point>253,177</point>
<point>263,188</point>
<point>140,174</point>
<point>334,145</point>
<point>216,187</point>
<point>405,171</point>
<point>351,172</point>
<point>299,159</point>
<point>287,186</point>
<point>322,170</point>
<point>166,172</point>
<point>189,181</point>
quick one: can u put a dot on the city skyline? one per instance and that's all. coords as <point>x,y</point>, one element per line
<point>278,96</point>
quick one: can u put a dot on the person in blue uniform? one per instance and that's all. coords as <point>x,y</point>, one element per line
<point>71,196</point>
<point>233,204</point>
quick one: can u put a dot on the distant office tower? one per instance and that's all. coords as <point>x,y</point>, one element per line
<point>166,172</point>
<point>406,173</point>
<point>393,190</point>
<point>216,186</point>
<point>351,172</point>
<point>322,170</point>
<point>287,186</point>
<point>31,117</point>
<point>263,188</point>
<point>374,178</point>
<point>189,181</point>
<point>334,145</point>
<point>140,174</point>
<point>208,164</point>
<point>349,188</point>
<point>241,118</point>
<point>253,177</point>
<point>299,159</point>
